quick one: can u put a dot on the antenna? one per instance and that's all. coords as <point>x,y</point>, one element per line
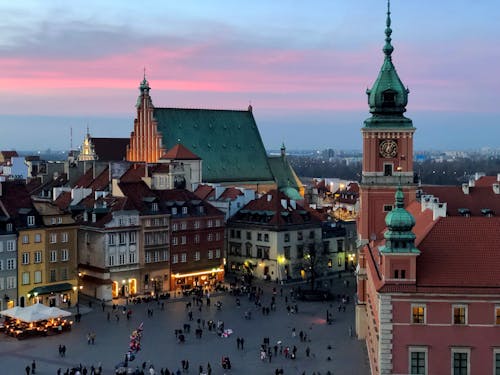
<point>70,138</point>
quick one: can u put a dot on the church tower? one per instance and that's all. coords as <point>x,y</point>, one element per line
<point>387,147</point>
<point>145,141</point>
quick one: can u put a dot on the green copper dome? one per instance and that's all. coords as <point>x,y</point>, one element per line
<point>399,238</point>
<point>388,96</point>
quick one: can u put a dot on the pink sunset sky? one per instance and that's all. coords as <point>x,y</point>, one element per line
<point>304,66</point>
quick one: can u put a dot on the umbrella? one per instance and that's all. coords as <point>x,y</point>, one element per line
<point>56,312</point>
<point>13,312</point>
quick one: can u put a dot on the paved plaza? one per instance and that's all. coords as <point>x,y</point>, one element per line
<point>161,348</point>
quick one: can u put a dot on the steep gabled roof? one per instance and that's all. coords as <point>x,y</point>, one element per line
<point>227,141</point>
<point>486,181</point>
<point>63,200</point>
<point>275,209</point>
<point>180,152</point>
<point>110,149</point>
<point>283,172</point>
<point>205,191</point>
<point>230,193</point>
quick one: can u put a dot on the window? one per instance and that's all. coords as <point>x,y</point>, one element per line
<point>10,282</point>
<point>183,225</point>
<point>266,237</point>
<point>38,257</point>
<point>196,255</point>
<point>154,207</point>
<point>31,220</point>
<point>311,235</point>
<point>210,254</point>
<point>217,236</point>
<point>460,361</point>
<point>174,240</point>
<point>132,257</point>
<point>11,264</point>
<point>403,274</point>
<point>196,238</point>
<point>217,253</point>
<point>38,237</point>
<point>184,210</point>
<point>249,236</point>
<point>248,250</point>
<point>340,245</point>
<point>121,259</point>
<point>1,283</point>
<point>300,236</point>
<point>300,251</point>
<point>286,251</point>
<point>396,274</point>
<point>123,238</point>
<point>132,237</point>
<point>418,360</point>
<point>9,227</point>
<point>387,207</point>
<point>111,260</point>
<point>64,274</point>
<point>387,169</point>
<point>287,237</point>
<point>64,255</point>
<point>217,223</point>
<point>53,238</point>
<point>183,258</point>
<point>459,314</point>
<point>37,277</point>
<point>52,275</point>
<point>209,223</point>
<point>53,256</point>
<point>59,220</point>
<point>174,210</point>
<point>175,258</point>
<point>418,314</point>
<point>259,236</point>
<point>147,257</point>
<point>174,226</point>
<point>26,258</point>
<point>1,265</point>
<point>25,278</point>
<point>111,239</point>
<point>11,245</point>
<point>183,240</point>
<point>26,238</point>
<point>210,237</point>
<point>496,361</point>
<point>64,237</point>
<point>197,224</point>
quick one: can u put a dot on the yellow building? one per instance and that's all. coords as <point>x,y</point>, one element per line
<point>47,257</point>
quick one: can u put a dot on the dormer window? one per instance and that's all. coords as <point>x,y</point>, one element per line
<point>154,206</point>
<point>389,98</point>
<point>174,210</point>
<point>31,220</point>
<point>184,210</point>
<point>9,227</point>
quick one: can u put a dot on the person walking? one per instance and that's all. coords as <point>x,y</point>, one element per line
<point>33,367</point>
<point>242,342</point>
<point>28,369</point>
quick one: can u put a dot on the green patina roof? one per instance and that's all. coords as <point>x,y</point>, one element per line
<point>283,172</point>
<point>399,237</point>
<point>388,97</point>
<point>228,141</point>
<point>291,193</point>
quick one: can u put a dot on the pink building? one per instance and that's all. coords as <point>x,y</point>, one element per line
<point>428,299</point>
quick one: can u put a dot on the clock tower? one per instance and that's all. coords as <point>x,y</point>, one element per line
<point>387,148</point>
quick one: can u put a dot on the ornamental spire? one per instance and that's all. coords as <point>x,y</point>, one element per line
<point>388,48</point>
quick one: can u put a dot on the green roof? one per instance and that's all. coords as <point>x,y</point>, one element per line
<point>283,172</point>
<point>228,141</point>
<point>388,96</point>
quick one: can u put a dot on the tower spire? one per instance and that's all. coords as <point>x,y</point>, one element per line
<point>388,48</point>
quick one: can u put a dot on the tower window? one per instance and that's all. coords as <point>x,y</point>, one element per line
<point>396,274</point>
<point>387,169</point>
<point>389,98</point>
<point>403,274</point>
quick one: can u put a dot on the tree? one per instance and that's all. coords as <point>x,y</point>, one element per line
<point>313,263</point>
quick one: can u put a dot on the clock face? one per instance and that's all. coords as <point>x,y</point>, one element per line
<point>388,148</point>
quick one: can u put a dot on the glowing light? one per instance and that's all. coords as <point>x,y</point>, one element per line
<point>213,270</point>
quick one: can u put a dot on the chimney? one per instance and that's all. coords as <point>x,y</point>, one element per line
<point>496,188</point>
<point>269,197</point>
<point>472,182</point>
<point>465,188</point>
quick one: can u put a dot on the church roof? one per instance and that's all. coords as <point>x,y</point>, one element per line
<point>180,152</point>
<point>283,172</point>
<point>110,149</point>
<point>228,142</point>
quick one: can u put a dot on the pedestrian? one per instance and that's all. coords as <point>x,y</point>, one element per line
<point>350,331</point>
<point>242,342</point>
<point>33,367</point>
<point>60,350</point>
<point>103,305</point>
<point>64,350</point>
<point>238,343</point>
<point>308,352</point>
<point>293,332</point>
<point>209,369</point>
<point>92,337</point>
<point>28,369</point>
<point>59,371</point>
<point>88,338</point>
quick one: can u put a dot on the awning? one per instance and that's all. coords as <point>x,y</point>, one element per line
<point>55,288</point>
